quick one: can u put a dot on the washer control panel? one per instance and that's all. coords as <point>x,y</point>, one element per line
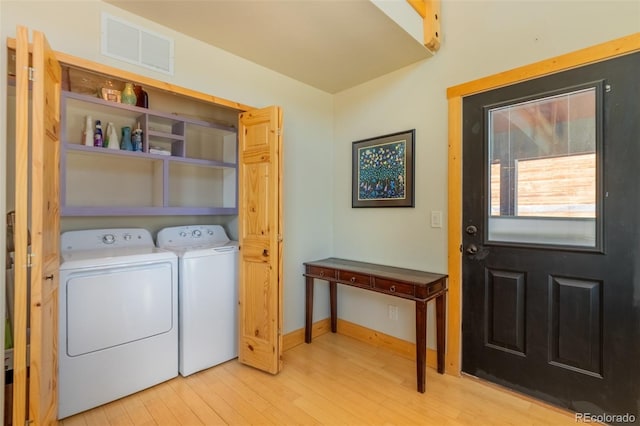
<point>92,239</point>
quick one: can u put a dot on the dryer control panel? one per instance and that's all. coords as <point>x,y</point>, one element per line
<point>183,236</point>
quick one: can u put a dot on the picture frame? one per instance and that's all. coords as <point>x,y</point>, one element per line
<point>383,171</point>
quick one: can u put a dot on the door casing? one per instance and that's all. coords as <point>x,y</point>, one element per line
<point>455,94</point>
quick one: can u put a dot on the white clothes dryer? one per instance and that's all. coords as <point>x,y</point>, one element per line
<point>207,295</point>
<point>118,330</point>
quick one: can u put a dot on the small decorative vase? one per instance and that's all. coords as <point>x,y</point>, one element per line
<point>126,144</point>
<point>128,96</point>
<point>142,98</point>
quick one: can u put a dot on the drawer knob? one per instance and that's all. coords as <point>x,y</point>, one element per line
<point>392,289</point>
<point>322,273</point>
<point>353,279</point>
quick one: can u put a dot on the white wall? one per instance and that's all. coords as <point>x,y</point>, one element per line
<point>480,38</point>
<point>74,27</point>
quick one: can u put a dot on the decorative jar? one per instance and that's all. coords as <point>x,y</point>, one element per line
<point>128,96</point>
<point>142,98</point>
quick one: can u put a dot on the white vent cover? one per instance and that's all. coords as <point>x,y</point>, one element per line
<point>134,44</point>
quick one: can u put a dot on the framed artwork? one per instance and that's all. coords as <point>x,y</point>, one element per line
<point>382,171</point>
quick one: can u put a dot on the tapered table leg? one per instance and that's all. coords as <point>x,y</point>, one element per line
<point>308,323</point>
<point>333,301</point>
<point>440,332</point>
<point>421,343</point>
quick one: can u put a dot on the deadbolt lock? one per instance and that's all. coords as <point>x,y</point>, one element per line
<point>471,230</point>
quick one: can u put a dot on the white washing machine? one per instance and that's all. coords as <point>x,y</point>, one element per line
<point>118,323</point>
<point>207,295</point>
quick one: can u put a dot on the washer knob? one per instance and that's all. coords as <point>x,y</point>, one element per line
<point>197,233</point>
<point>127,237</point>
<point>183,234</point>
<point>109,239</point>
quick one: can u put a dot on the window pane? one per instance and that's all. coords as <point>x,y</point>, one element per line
<point>542,165</point>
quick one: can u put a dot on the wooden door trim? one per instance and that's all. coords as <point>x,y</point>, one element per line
<point>20,231</point>
<point>455,94</point>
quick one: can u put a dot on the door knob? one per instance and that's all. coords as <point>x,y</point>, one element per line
<point>472,249</point>
<point>471,230</point>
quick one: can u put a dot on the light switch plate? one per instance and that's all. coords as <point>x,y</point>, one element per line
<point>436,219</point>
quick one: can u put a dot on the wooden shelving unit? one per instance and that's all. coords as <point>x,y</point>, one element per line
<point>198,178</point>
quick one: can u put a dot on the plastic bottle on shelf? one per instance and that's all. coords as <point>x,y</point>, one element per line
<point>98,139</point>
<point>136,138</point>
<point>112,137</point>
<point>87,134</point>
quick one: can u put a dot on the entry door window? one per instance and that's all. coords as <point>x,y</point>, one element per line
<point>544,170</point>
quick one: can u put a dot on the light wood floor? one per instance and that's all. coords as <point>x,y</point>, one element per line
<point>334,381</point>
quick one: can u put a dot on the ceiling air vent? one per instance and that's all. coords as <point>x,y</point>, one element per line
<point>134,44</point>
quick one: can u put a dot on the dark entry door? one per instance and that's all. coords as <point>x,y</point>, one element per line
<point>551,238</point>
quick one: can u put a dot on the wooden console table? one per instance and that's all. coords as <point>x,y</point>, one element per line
<point>409,284</point>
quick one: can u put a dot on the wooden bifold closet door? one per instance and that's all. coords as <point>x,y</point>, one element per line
<point>37,209</point>
<point>260,234</point>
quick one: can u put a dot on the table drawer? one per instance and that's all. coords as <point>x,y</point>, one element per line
<point>434,288</point>
<point>393,286</point>
<point>431,289</point>
<point>320,272</point>
<point>362,280</point>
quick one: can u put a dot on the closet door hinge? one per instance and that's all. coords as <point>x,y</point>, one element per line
<point>29,257</point>
<point>32,73</point>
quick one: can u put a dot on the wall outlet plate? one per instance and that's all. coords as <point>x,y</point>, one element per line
<point>392,312</point>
